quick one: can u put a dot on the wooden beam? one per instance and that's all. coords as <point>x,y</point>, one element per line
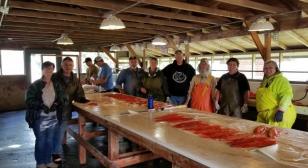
<point>105,50</point>
<point>109,5</point>
<point>65,17</point>
<point>217,46</point>
<point>194,50</point>
<point>203,47</point>
<point>279,44</point>
<point>267,46</point>
<point>297,37</point>
<point>235,45</point>
<point>246,40</point>
<point>80,12</point>
<point>194,8</point>
<point>158,21</point>
<point>255,5</point>
<point>187,53</point>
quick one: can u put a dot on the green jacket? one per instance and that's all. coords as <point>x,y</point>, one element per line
<point>156,85</point>
<point>34,101</point>
<point>72,89</point>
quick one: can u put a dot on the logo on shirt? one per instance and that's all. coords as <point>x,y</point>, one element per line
<point>179,77</point>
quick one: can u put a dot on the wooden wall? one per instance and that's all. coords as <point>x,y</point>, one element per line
<point>12,92</point>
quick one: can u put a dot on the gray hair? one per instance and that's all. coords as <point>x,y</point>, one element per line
<point>273,63</point>
<point>206,61</point>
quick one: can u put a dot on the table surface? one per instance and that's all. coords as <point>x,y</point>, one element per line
<point>291,150</point>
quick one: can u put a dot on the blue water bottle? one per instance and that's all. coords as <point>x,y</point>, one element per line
<point>150,102</point>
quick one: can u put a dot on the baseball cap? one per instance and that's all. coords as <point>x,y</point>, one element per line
<point>97,59</point>
<point>87,59</point>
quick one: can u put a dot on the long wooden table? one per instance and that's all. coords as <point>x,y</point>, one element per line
<point>97,110</point>
<point>185,149</point>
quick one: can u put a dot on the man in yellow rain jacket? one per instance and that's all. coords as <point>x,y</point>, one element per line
<point>273,98</point>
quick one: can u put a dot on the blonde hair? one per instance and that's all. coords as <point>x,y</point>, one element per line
<point>206,61</point>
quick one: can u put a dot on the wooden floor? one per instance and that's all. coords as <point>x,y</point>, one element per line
<point>17,146</point>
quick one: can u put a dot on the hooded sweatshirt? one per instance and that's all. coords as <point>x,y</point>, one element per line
<point>178,78</point>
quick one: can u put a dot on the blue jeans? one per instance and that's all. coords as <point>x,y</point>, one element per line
<point>44,130</point>
<point>177,100</point>
<point>59,137</point>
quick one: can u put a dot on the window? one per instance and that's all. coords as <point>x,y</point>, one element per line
<point>12,62</point>
<point>163,62</point>
<point>294,66</point>
<point>219,66</point>
<point>36,64</point>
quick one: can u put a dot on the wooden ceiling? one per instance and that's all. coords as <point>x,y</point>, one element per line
<point>36,23</point>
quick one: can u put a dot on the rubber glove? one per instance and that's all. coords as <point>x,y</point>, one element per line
<point>278,116</point>
<point>244,108</point>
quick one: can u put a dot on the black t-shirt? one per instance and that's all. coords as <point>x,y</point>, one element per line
<point>243,83</point>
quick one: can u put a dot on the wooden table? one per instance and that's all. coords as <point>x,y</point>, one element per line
<point>97,110</point>
<point>185,149</point>
<point>182,148</point>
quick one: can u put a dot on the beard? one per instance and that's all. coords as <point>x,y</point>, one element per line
<point>204,73</point>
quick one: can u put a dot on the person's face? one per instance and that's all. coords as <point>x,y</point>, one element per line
<point>203,67</point>
<point>47,71</point>
<point>100,63</point>
<point>179,57</point>
<point>269,69</point>
<point>232,67</point>
<point>133,63</point>
<point>89,63</point>
<point>153,64</point>
<point>67,66</point>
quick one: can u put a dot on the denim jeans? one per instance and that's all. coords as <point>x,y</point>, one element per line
<point>44,130</point>
<point>59,137</point>
<point>177,100</point>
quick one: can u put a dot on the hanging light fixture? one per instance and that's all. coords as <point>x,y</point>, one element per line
<point>115,48</point>
<point>64,40</point>
<point>261,24</point>
<point>112,23</point>
<point>159,41</point>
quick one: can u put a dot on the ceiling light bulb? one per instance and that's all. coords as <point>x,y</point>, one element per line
<point>115,48</point>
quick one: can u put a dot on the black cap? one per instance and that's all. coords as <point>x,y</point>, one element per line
<point>87,60</point>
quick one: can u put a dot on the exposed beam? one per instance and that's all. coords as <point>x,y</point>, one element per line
<point>194,8</point>
<point>193,49</point>
<point>267,45</point>
<point>155,52</point>
<point>109,5</point>
<point>110,56</point>
<point>246,40</point>
<point>255,5</point>
<point>297,37</point>
<point>217,46</point>
<point>279,44</point>
<point>234,45</point>
<point>203,47</point>
<point>158,21</point>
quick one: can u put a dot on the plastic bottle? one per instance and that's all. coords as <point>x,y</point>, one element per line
<point>150,102</point>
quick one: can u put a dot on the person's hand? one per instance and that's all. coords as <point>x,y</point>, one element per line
<point>143,90</point>
<point>244,108</point>
<point>82,100</point>
<point>217,106</point>
<point>278,116</point>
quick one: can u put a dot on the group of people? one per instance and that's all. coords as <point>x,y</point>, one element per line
<point>49,98</point>
<point>49,106</point>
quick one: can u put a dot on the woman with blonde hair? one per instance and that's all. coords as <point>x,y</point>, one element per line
<point>202,89</point>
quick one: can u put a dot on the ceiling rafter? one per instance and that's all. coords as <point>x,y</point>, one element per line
<point>297,37</point>
<point>255,5</point>
<point>194,8</point>
<point>109,5</point>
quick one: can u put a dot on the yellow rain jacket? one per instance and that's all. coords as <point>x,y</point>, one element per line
<point>275,93</point>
